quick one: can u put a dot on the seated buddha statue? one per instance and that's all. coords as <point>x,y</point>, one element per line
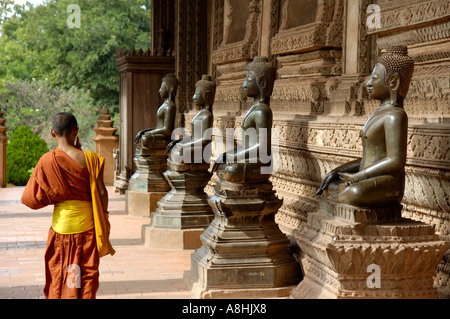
<point>191,149</point>
<point>165,117</point>
<point>243,164</point>
<point>378,178</point>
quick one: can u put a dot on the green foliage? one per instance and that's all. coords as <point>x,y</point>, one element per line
<point>5,8</point>
<point>33,104</point>
<point>23,151</point>
<point>37,43</point>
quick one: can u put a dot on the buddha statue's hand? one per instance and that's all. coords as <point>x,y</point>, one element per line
<point>349,178</point>
<point>140,134</point>
<point>331,176</point>
<point>219,160</point>
<point>172,144</point>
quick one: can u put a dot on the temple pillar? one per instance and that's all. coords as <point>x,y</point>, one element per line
<point>105,143</point>
<point>140,77</point>
<point>3,140</point>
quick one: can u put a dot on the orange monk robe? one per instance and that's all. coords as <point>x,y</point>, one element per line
<point>95,165</point>
<point>57,178</point>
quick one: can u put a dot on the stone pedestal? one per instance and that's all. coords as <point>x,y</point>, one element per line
<point>147,185</point>
<point>244,253</point>
<point>183,214</point>
<point>350,253</point>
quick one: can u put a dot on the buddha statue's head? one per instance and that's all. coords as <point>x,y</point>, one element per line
<point>205,91</point>
<point>169,86</point>
<point>260,79</point>
<point>391,75</point>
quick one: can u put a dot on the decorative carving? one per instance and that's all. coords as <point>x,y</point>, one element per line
<point>338,254</point>
<point>245,49</point>
<point>325,31</point>
<point>406,14</point>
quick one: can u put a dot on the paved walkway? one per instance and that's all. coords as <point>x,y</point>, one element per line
<point>135,271</point>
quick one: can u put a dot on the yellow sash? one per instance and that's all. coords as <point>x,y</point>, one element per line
<point>72,217</point>
<point>94,164</point>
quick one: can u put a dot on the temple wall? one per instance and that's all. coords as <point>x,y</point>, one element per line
<point>324,52</point>
<point>319,101</point>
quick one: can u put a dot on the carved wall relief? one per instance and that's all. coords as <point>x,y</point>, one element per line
<point>296,35</point>
<point>296,13</point>
<point>241,17</point>
<point>235,20</point>
<point>238,23</point>
<point>189,50</point>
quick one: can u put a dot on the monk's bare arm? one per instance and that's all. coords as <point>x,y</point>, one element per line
<point>103,192</point>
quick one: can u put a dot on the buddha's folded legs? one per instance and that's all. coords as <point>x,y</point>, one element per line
<point>242,172</point>
<point>377,191</point>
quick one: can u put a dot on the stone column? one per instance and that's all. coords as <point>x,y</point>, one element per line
<point>105,143</point>
<point>3,140</point>
<point>356,48</point>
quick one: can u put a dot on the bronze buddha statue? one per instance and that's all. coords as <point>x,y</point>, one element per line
<point>378,178</point>
<point>244,164</point>
<point>191,149</point>
<point>165,116</point>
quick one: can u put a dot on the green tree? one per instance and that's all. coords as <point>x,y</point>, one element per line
<point>33,104</point>
<point>23,151</point>
<point>38,43</point>
<point>5,8</point>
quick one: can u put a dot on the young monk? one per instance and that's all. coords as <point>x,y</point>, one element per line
<point>72,181</point>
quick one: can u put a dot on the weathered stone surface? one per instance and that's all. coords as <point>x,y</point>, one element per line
<point>339,254</point>
<point>141,204</point>
<point>147,185</point>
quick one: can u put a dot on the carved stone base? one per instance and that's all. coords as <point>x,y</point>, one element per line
<point>442,280</point>
<point>141,204</point>
<point>147,180</point>
<point>121,184</point>
<point>166,238</point>
<point>198,292</point>
<point>243,248</point>
<point>392,212</point>
<point>184,212</point>
<point>346,259</point>
<point>150,167</point>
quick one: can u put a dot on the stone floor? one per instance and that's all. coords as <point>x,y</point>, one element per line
<point>135,271</point>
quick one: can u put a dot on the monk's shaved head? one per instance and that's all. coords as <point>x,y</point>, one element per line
<point>63,123</point>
